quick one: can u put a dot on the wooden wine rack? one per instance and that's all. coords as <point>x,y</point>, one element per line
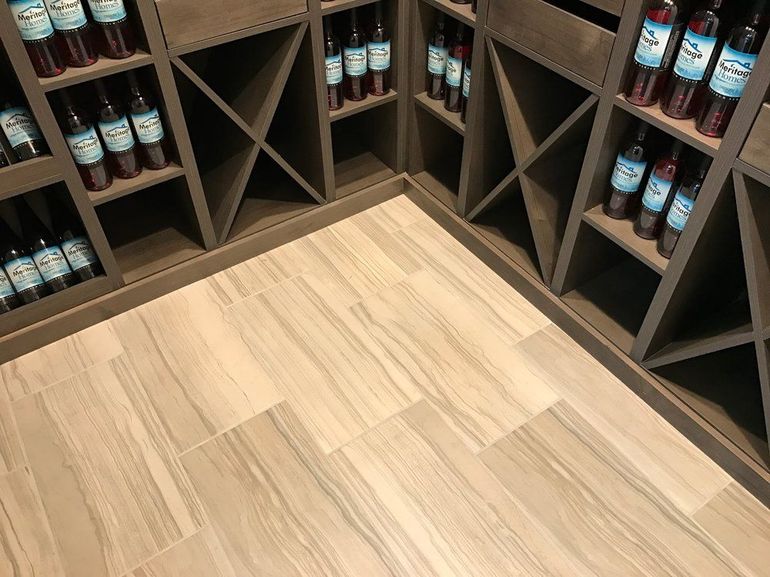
<point>259,160</point>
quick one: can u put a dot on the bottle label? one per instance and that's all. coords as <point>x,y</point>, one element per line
<point>79,252</point>
<point>51,263</point>
<point>31,18</point>
<point>117,135</point>
<point>23,273</point>
<point>467,82</point>
<point>694,55</point>
<point>66,14</point>
<point>85,147</point>
<point>107,11</point>
<point>148,126</point>
<point>437,58</point>
<point>333,69</point>
<point>732,72</point>
<point>680,211</point>
<point>627,175</point>
<point>6,288</point>
<point>378,54</point>
<point>454,71</point>
<point>653,41</point>
<point>656,193</point>
<point>355,60</point>
<point>19,126</point>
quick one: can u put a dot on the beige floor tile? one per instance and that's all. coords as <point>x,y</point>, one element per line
<point>598,505</point>
<point>11,455</point>
<point>109,483</point>
<point>394,214</point>
<point>379,231</point>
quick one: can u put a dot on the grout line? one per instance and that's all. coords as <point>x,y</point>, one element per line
<point>195,533</point>
<point>520,425</point>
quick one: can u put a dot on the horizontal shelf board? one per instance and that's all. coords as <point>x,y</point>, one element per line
<point>104,67</point>
<point>28,175</point>
<point>151,254</point>
<point>361,171</point>
<point>621,232</point>
<point>123,187</point>
<point>258,214</point>
<point>684,130</point>
<point>437,188</point>
<point>461,12</point>
<point>339,5</point>
<point>354,107</point>
<point>436,108</point>
<point>53,304</point>
<point>752,172</point>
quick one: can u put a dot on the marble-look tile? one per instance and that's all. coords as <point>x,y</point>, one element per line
<point>11,455</point>
<point>201,555</point>
<point>394,214</point>
<point>111,488</point>
<point>379,231</point>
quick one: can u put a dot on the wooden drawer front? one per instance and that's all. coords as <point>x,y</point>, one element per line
<point>579,45</point>
<point>186,21</point>
<point>756,151</point>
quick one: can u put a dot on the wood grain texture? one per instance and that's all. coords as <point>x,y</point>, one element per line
<point>26,546</point>
<point>600,507</point>
<point>109,483</point>
<point>11,455</point>
<point>741,524</point>
<point>755,151</point>
<point>201,555</point>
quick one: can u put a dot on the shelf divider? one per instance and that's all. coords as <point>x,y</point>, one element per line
<point>354,107</point>
<point>122,187</point>
<point>28,175</point>
<point>436,108</point>
<point>461,12</point>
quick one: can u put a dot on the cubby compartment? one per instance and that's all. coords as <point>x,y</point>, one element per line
<point>753,200</point>
<point>756,150</point>
<point>151,230</point>
<point>460,12</point>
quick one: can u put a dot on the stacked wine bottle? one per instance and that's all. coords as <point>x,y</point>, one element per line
<point>20,137</point>
<point>449,65</point>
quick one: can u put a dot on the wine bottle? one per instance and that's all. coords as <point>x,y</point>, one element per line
<point>437,57</point>
<point>458,51</point>
<point>627,175</point>
<point>38,35</point>
<point>116,38</point>
<point>655,199</point>
<point>333,66</point>
<point>684,90</point>
<point>8,298</point>
<point>44,248</point>
<point>72,27</point>
<point>681,207</point>
<point>466,87</point>
<point>84,144</point>
<point>354,59</point>
<point>21,130</point>
<point>19,267</point>
<point>378,54</point>
<point>474,6</point>
<point>732,72</point>
<point>145,118</point>
<point>117,135</point>
<point>658,40</point>
<point>74,242</point>
<point>5,151</point>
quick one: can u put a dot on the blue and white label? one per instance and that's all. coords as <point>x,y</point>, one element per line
<point>51,263</point>
<point>354,60</point>
<point>6,288</point>
<point>19,126</point>
<point>86,148</point>
<point>148,126</point>
<point>652,44</point>
<point>31,19</point>
<point>23,273</point>
<point>627,175</point>
<point>378,55</point>
<point>656,193</point>
<point>732,72</point>
<point>117,135</point>
<point>694,55</point>
<point>454,71</point>
<point>66,14</point>
<point>437,58</point>
<point>680,211</point>
<point>107,11</point>
<point>467,82</point>
<point>79,252</point>
<point>333,69</point>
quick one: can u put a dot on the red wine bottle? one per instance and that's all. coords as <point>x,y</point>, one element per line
<point>21,130</point>
<point>695,60</point>
<point>437,57</point>
<point>38,35</point>
<point>334,76</point>
<point>732,72</point>
<point>628,174</point>
<point>5,150</point>
<point>466,87</point>
<point>354,59</point>
<point>459,49</point>
<point>681,207</point>
<point>74,242</point>
<point>658,40</point>
<point>73,29</point>
<point>117,135</point>
<point>19,267</point>
<point>655,199</point>
<point>145,118</point>
<point>378,54</point>
<point>8,298</point>
<point>116,37</point>
<point>84,144</point>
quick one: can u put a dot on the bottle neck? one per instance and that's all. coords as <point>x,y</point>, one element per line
<point>354,18</point>
<point>378,17</point>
